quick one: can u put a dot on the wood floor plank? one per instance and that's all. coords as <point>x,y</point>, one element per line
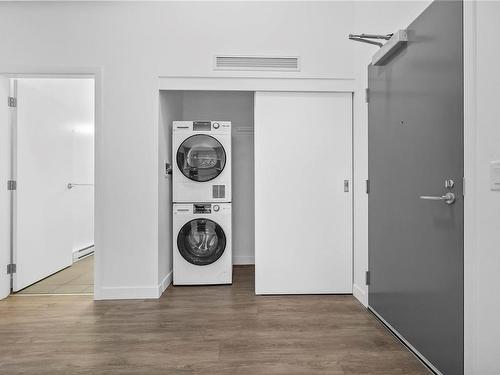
<point>198,330</point>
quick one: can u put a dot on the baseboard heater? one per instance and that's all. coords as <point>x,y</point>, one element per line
<point>82,253</point>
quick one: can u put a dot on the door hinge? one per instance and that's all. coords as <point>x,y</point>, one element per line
<point>346,186</point>
<point>11,185</point>
<point>367,95</point>
<point>11,268</point>
<point>367,186</point>
<point>367,278</point>
<point>12,102</point>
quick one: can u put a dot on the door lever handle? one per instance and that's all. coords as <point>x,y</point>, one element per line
<point>448,198</point>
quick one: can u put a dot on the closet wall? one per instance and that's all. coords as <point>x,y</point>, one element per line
<point>237,107</point>
<point>234,106</point>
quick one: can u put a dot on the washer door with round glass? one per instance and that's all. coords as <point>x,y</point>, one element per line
<point>201,158</point>
<point>201,242</point>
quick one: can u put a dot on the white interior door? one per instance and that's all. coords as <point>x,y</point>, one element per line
<point>303,215</point>
<point>5,159</point>
<point>44,158</point>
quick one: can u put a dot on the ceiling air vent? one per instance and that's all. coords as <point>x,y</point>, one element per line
<point>256,63</point>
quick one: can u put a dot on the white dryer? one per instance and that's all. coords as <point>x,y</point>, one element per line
<point>202,243</point>
<point>202,161</point>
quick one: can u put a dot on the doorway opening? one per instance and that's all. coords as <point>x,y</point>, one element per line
<point>51,163</point>
<point>279,159</point>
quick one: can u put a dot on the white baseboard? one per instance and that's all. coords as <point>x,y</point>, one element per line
<point>243,260</point>
<point>154,291</point>
<point>131,292</point>
<point>360,294</point>
<point>167,280</point>
<point>127,292</point>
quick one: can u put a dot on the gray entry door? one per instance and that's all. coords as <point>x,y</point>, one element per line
<point>415,115</point>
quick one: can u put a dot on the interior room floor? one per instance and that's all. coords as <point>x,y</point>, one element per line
<point>199,330</point>
<point>78,278</point>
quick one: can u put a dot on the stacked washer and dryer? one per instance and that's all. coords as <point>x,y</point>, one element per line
<point>202,202</point>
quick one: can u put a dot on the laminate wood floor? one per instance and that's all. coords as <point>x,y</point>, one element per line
<point>198,330</point>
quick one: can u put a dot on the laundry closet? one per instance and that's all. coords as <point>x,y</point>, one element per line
<point>290,195</point>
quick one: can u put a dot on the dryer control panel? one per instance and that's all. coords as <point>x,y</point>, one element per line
<point>204,127</point>
<point>202,208</point>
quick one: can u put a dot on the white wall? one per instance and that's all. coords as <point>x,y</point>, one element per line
<point>132,44</point>
<point>482,250</point>
<point>170,110</point>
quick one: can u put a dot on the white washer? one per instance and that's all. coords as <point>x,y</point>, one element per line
<point>202,243</point>
<point>202,161</point>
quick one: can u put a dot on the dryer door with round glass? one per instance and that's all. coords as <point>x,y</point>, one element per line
<point>201,242</point>
<point>201,158</point>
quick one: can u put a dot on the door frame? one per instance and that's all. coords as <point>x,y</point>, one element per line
<point>470,189</point>
<point>82,72</point>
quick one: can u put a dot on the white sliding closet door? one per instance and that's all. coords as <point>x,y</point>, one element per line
<point>303,213</point>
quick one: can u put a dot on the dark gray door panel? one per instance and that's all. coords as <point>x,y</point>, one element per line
<point>415,144</point>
